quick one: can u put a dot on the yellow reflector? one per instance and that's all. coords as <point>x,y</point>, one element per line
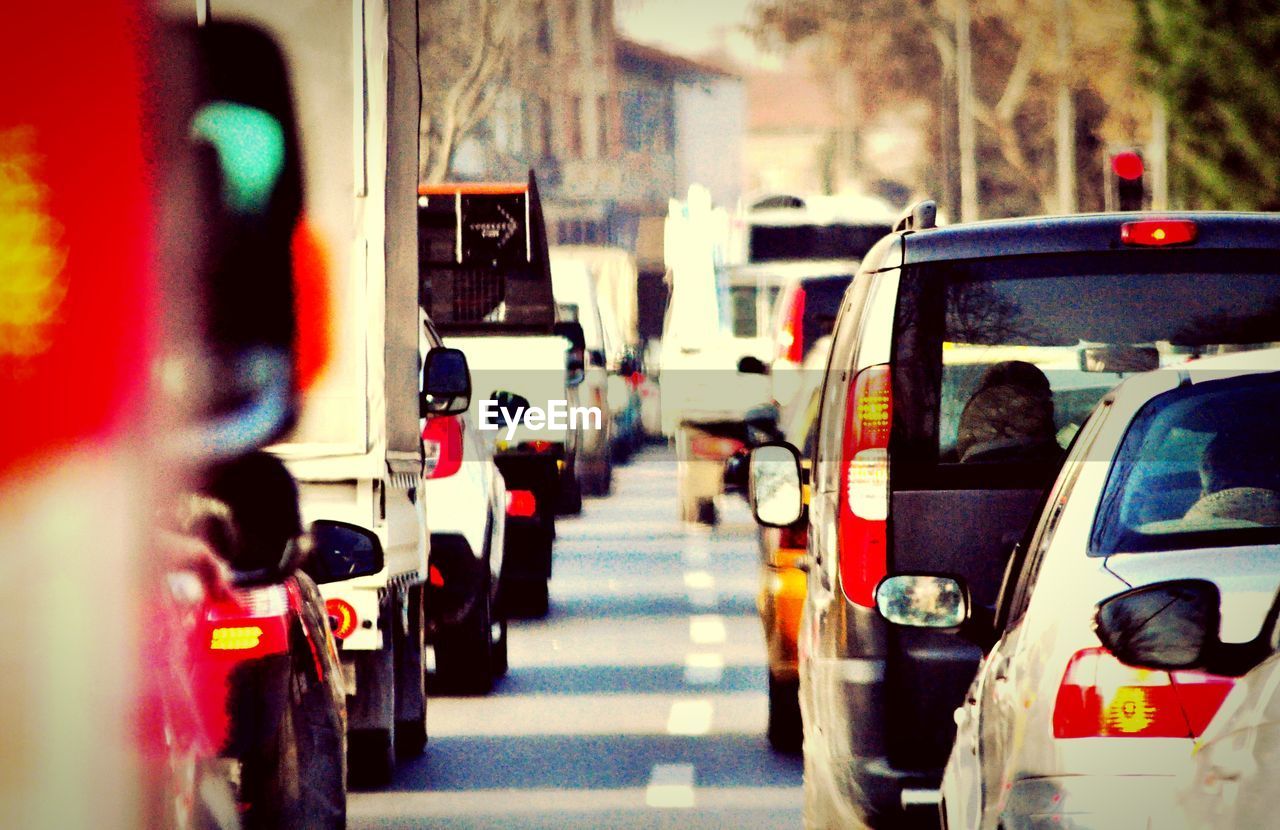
<point>238,638</point>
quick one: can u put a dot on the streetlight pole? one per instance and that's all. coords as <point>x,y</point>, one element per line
<point>1066,138</point>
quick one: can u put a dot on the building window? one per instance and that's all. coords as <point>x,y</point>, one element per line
<point>603,150</point>
<point>575,128</point>
<point>538,135</point>
<point>645,121</point>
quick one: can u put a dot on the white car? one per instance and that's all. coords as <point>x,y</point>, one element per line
<point>1172,477</point>
<point>466,501</point>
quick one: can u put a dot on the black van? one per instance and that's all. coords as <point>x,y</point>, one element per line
<point>964,360</point>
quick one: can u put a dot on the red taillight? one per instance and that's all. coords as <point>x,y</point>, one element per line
<point>442,445</point>
<point>864,484</point>
<point>254,623</point>
<point>521,503</point>
<point>794,537</point>
<point>713,447</point>
<point>791,338</point>
<point>539,446</point>
<point>1100,697</point>
<point>1157,233</point>
<point>345,614</point>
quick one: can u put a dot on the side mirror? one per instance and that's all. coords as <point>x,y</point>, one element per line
<point>575,357</point>
<point>342,551</point>
<point>1168,625</point>
<point>446,383</point>
<point>922,601</point>
<point>774,484</point>
<point>752,365</point>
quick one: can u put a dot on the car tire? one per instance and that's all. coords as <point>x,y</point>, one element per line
<point>526,598</point>
<point>500,663</point>
<point>464,651</point>
<point>785,730</point>
<point>569,497</point>
<point>371,757</point>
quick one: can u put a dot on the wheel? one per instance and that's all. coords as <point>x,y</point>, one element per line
<point>371,757</point>
<point>526,598</point>
<point>569,495</point>
<point>464,651</point>
<point>785,731</point>
<point>705,512</point>
<point>411,690</point>
<point>499,629</point>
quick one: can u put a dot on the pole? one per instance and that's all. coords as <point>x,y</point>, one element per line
<point>964,91</point>
<point>1066,138</point>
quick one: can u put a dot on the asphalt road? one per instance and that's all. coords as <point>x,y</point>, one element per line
<point>638,702</point>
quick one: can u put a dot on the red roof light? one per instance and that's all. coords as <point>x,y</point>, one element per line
<point>1157,233</point>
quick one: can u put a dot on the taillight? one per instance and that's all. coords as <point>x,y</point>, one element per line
<point>791,338</point>
<point>345,614</point>
<point>864,484</point>
<point>1100,697</point>
<point>442,446</point>
<point>713,447</point>
<point>794,537</point>
<point>253,623</point>
<point>521,503</point>
<point>1156,233</point>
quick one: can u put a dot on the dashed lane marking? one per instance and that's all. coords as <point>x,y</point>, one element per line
<point>690,717</point>
<point>670,786</point>
<point>703,669</point>
<point>707,629</point>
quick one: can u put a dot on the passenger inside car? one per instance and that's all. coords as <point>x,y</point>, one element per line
<point>1009,417</point>
<point>1240,477</point>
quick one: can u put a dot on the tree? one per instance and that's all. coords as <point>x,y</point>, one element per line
<point>468,50</point>
<point>1214,63</point>
<point>907,52</point>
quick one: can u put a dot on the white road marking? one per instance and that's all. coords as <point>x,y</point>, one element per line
<point>702,589</point>
<point>706,629</point>
<point>670,786</point>
<point>703,669</point>
<point>690,717</point>
<point>696,552</point>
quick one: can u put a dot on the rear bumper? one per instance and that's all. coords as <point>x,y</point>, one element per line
<point>1093,802</point>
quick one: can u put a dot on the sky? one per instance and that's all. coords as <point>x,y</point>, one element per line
<point>692,27</point>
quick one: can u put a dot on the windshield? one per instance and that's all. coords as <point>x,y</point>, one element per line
<point>1008,357</point>
<point>1199,467</point>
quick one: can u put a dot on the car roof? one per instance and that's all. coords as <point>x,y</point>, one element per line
<point>782,270</point>
<point>1131,393</point>
<point>1081,233</point>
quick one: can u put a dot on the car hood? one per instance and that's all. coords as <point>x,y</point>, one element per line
<point>1246,575</point>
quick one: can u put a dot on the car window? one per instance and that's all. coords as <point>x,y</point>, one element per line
<point>998,362</point>
<point>1199,466</point>
<point>822,298</point>
<point>835,386</point>
<point>1024,566</point>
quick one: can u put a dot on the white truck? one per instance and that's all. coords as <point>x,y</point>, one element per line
<point>357,449</point>
<point>486,286</point>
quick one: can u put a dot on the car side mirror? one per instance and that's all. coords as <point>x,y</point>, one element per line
<point>446,383</point>
<point>342,551</point>
<point>575,356</point>
<point>510,406</point>
<point>752,365</point>
<point>923,601</point>
<point>1167,625</point>
<point>774,485</point>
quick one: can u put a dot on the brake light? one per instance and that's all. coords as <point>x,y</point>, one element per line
<point>794,537</point>
<point>1157,233</point>
<point>1100,697</point>
<point>254,622</point>
<point>864,494</point>
<point>442,446</point>
<point>521,503</point>
<point>345,614</point>
<point>713,447</point>
<point>791,338</point>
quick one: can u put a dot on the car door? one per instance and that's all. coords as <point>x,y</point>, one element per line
<point>1004,681</point>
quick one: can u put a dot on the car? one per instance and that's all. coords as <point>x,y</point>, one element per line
<point>782,580</point>
<point>1168,479</point>
<point>467,501</point>
<point>576,302</point>
<point>964,361</point>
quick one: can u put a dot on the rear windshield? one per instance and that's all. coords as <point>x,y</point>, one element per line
<point>1001,360</point>
<point>769,243</point>
<point>749,307</point>
<point>1199,467</point>
<point>822,298</point>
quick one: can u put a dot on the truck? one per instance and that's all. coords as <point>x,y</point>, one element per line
<point>356,450</point>
<point>486,286</point>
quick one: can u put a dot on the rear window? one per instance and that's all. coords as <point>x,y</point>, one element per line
<point>1199,467</point>
<point>822,298</point>
<point>1001,360</point>
<point>749,306</point>
<point>769,243</point>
